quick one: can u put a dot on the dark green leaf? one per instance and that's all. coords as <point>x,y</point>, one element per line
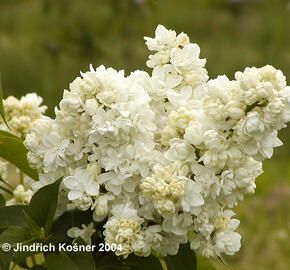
<point>133,262</point>
<point>5,259</point>
<point>2,201</point>
<point>13,150</point>
<point>2,112</point>
<point>84,260</point>
<point>71,260</point>
<point>43,205</point>
<point>185,259</point>
<point>12,216</point>
<point>33,226</point>
<point>59,262</point>
<point>38,267</point>
<point>114,267</point>
<point>143,263</point>
<point>110,261</point>
<point>14,235</point>
<point>69,219</point>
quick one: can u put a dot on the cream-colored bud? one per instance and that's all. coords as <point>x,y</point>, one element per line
<point>221,223</point>
<point>91,106</point>
<point>94,168</point>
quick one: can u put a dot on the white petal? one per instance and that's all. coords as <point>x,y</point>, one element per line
<point>74,194</point>
<point>70,182</point>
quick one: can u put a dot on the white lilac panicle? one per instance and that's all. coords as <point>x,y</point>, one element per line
<point>162,157</point>
<point>20,114</point>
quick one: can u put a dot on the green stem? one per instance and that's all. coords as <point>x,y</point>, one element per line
<point>21,178</point>
<point>7,190</point>
<point>5,182</point>
<point>163,264</point>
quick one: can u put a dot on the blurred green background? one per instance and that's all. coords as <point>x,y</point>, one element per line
<point>45,43</point>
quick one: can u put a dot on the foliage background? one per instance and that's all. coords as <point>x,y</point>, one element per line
<point>45,43</point>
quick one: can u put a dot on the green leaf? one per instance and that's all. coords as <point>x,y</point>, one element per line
<point>133,262</point>
<point>82,259</point>
<point>69,219</point>
<point>12,216</point>
<point>71,260</point>
<point>2,112</point>
<point>5,259</point>
<point>38,267</point>
<point>143,263</point>
<point>59,262</point>
<point>33,226</point>
<point>204,263</point>
<point>43,205</point>
<point>13,150</point>
<point>114,267</point>
<point>2,201</point>
<point>10,135</point>
<point>109,261</point>
<point>185,259</point>
<point>14,235</point>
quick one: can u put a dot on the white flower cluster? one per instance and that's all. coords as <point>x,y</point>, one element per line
<point>20,114</point>
<point>162,158</point>
<point>22,194</point>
